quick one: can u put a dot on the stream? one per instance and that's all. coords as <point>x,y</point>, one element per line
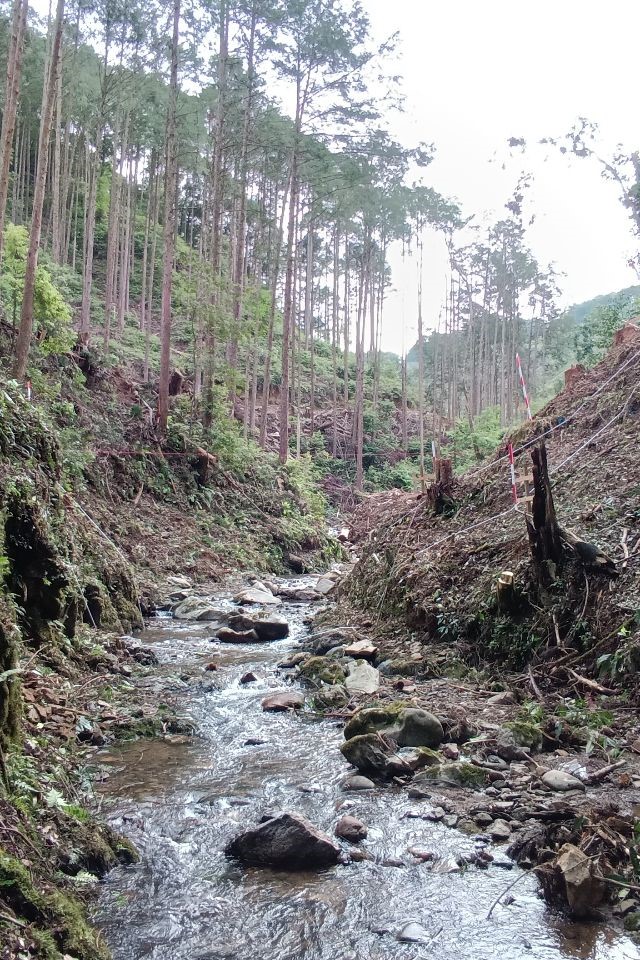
<point>181,799</point>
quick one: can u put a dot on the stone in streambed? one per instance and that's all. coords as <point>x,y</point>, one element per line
<point>499,831</point>
<point>455,774</point>
<point>284,700</point>
<point>257,595</point>
<point>413,933</point>
<point>227,635</point>
<point>248,678</point>
<point>362,678</point>
<point>267,628</point>
<point>561,781</point>
<point>198,608</point>
<point>288,841</point>
<point>350,829</point>
<point>358,783</point>
<point>370,754</point>
<point>361,650</point>
<point>408,726</point>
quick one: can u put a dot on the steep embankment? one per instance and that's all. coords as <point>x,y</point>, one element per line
<point>437,572</point>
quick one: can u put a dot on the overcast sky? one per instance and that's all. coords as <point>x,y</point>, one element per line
<point>477,72</point>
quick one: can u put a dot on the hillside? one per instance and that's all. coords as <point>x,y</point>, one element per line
<point>437,573</point>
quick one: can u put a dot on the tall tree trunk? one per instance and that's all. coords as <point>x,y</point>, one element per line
<point>23,342</point>
<point>169,231</point>
<point>287,321</point>
<point>12,89</point>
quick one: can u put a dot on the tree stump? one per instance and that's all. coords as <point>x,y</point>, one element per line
<point>440,493</point>
<point>542,526</point>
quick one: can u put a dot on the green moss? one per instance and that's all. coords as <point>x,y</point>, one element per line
<point>525,733</point>
<point>632,922</point>
<point>462,774</point>
<point>58,918</point>
<point>322,670</point>
<point>372,719</point>
<point>428,757</point>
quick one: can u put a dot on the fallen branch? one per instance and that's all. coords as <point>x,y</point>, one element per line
<point>590,684</point>
<point>598,775</point>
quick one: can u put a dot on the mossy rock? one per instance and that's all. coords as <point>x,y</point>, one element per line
<point>632,922</point>
<point>525,733</point>
<point>402,668</point>
<point>374,719</point>
<point>428,757</point>
<point>369,753</point>
<point>407,725</point>
<point>330,697</point>
<point>461,774</point>
<point>321,670</point>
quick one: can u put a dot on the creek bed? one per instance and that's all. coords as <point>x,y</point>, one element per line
<point>181,799</point>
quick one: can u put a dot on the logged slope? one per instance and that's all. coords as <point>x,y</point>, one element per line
<point>439,572</point>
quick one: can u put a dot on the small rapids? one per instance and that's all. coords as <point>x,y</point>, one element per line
<point>181,799</point>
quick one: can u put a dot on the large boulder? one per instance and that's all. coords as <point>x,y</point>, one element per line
<point>272,627</point>
<point>288,841</point>
<point>408,726</point>
<point>362,678</point>
<point>283,701</point>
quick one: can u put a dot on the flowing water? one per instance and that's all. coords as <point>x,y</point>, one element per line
<point>181,800</point>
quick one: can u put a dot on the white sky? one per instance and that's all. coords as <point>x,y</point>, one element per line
<point>477,72</point>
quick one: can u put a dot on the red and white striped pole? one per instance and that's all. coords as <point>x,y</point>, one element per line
<point>514,489</point>
<point>524,386</point>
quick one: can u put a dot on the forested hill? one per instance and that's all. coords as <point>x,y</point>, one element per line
<point>580,311</point>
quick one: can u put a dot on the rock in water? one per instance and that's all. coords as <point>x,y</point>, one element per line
<point>561,781</point>
<point>284,700</point>
<point>370,754</point>
<point>248,678</point>
<point>325,585</point>
<point>350,829</point>
<point>286,840</point>
<point>257,595</point>
<point>198,608</point>
<point>268,628</point>
<point>413,933</point>
<point>569,882</point>
<point>362,678</point>
<point>227,635</point>
<point>408,726</point>
<point>358,783</point>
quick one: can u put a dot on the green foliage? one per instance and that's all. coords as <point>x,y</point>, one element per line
<point>595,335</point>
<point>50,312</point>
<point>399,476</point>
<point>487,433</point>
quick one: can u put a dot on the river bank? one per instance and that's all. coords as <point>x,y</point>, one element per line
<point>181,799</point>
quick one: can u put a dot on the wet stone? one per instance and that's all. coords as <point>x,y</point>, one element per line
<point>350,829</point>
<point>285,700</point>
<point>285,840</point>
<point>358,783</point>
